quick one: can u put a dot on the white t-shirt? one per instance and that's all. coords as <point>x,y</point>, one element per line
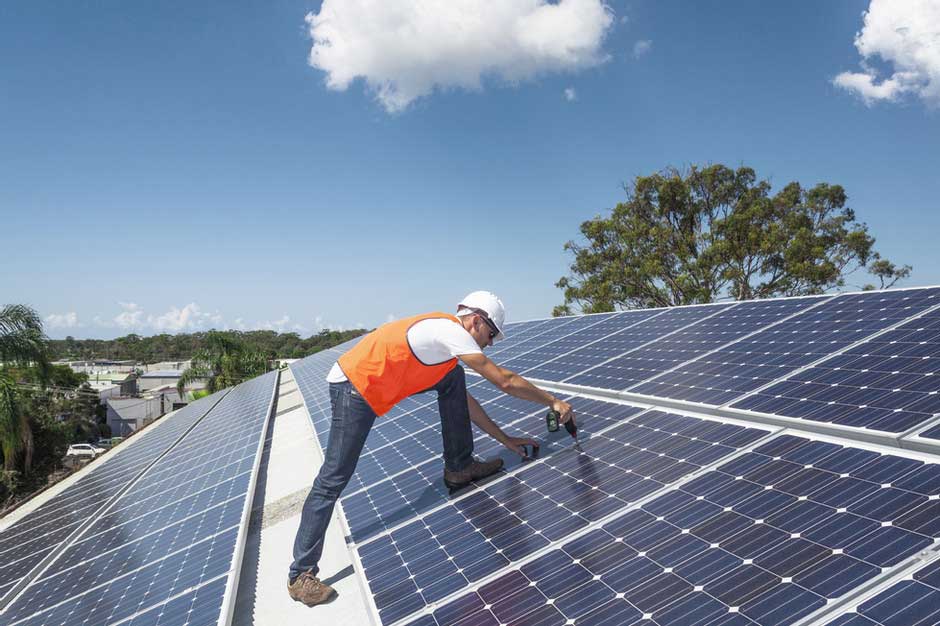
<point>433,341</point>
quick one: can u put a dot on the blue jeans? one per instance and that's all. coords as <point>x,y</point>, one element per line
<point>352,421</point>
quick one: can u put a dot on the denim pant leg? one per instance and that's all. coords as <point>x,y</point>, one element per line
<point>455,419</point>
<point>352,421</point>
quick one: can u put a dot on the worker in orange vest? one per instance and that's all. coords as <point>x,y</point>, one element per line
<point>389,364</point>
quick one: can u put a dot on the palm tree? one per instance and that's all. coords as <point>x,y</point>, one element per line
<point>22,342</point>
<point>223,362</point>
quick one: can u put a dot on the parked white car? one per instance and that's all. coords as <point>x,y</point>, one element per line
<point>84,449</point>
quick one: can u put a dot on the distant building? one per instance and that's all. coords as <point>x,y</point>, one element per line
<point>91,367</point>
<point>158,378</point>
<point>127,415</point>
<point>113,384</point>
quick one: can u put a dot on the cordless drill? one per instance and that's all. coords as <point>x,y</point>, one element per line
<point>551,421</point>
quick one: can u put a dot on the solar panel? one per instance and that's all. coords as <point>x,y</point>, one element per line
<point>756,360</point>
<point>558,367</point>
<point>178,531</point>
<point>913,600</point>
<point>666,517</point>
<point>386,503</point>
<point>769,537</point>
<point>38,535</point>
<point>479,534</point>
<point>690,342</point>
<point>593,328</point>
<point>888,383</point>
<point>555,329</point>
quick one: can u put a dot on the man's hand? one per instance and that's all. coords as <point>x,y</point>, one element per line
<point>564,409</point>
<point>516,444</point>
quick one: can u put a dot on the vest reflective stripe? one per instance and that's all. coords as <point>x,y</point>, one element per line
<point>385,370</point>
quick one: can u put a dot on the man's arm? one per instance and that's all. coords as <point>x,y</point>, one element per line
<point>515,385</point>
<point>479,417</point>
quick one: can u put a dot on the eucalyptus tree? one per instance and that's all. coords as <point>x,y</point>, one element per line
<point>711,232</point>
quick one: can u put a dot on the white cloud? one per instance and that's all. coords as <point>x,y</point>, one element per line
<point>131,316</point>
<point>406,49</point>
<point>641,47</point>
<point>570,94</point>
<point>276,325</point>
<point>906,35</point>
<point>62,320</point>
<point>188,318</point>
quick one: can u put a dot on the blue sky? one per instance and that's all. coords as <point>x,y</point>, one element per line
<point>181,165</point>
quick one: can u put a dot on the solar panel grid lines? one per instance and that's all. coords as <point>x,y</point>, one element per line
<point>498,524</point>
<point>393,429</point>
<point>894,403</point>
<point>688,555</point>
<point>572,536</point>
<point>138,590</point>
<point>519,414</point>
<point>520,332</point>
<point>137,450</point>
<point>912,597</point>
<point>389,504</point>
<point>732,372</point>
<point>632,410</point>
<point>561,337</point>
<point>889,382</point>
<point>576,366</point>
<point>28,559</point>
<point>612,330</point>
<point>193,607</point>
<point>793,305</point>
<point>130,565</point>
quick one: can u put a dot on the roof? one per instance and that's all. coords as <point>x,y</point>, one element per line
<point>162,374</point>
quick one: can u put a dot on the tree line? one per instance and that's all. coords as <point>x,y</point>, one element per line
<point>165,347</point>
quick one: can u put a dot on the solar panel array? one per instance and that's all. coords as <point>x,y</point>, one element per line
<point>913,600</point>
<point>689,502</point>
<point>162,543</point>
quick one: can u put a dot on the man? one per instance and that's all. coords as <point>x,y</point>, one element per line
<point>394,361</point>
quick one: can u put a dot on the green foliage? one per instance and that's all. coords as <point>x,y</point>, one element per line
<point>23,343</point>
<point>224,362</point>
<point>181,347</point>
<point>712,232</point>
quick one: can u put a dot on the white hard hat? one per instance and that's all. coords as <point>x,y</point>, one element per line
<point>488,303</point>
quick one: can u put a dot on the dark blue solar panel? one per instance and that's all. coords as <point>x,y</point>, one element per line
<point>479,534</point>
<point>27,542</point>
<point>755,361</point>
<point>914,600</point>
<point>691,342</point>
<point>639,332</point>
<point>594,328</point>
<point>753,542</point>
<point>174,531</point>
<point>389,502</point>
<point>889,383</point>
<point>549,331</point>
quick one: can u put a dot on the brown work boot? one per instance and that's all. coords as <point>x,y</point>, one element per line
<point>308,589</point>
<point>474,471</point>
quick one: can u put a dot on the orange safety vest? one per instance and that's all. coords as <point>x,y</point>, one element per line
<point>385,370</point>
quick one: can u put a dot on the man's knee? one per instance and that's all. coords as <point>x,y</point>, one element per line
<point>330,486</point>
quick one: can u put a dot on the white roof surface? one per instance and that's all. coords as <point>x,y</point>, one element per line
<point>289,464</point>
